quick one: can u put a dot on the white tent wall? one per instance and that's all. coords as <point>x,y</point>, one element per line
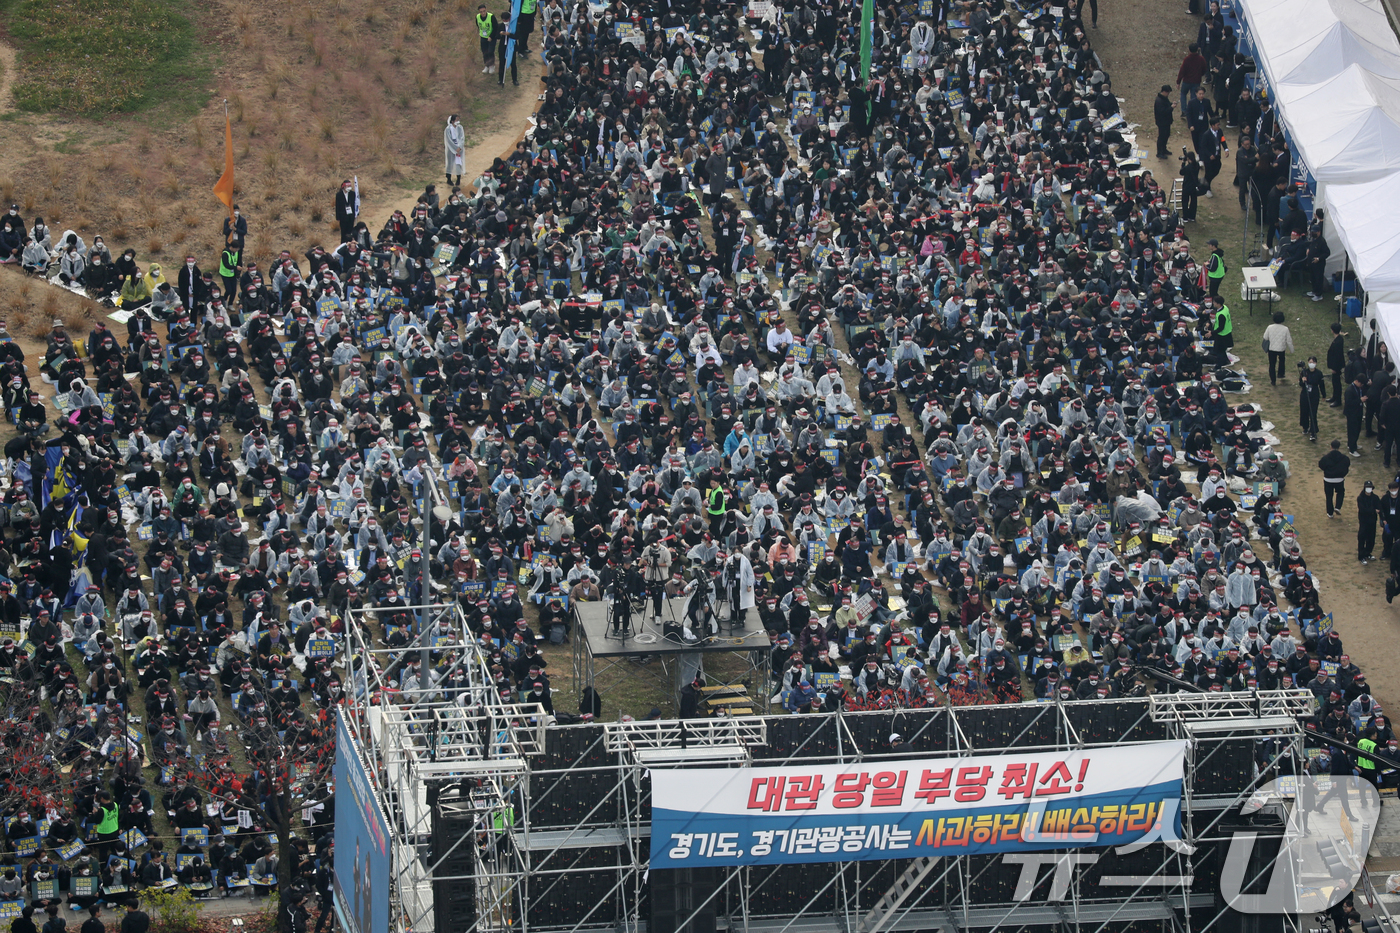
<point>1366,218</point>
<point>1334,69</point>
<point>1345,129</point>
<point>1386,314</point>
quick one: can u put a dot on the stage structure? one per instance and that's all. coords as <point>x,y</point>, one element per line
<point>501,823</point>
<point>603,658</point>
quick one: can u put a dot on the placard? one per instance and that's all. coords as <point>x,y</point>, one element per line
<point>1081,798</point>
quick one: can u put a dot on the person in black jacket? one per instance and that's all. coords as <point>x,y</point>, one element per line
<point>1368,506</point>
<point>136,919</point>
<point>1336,362</point>
<point>1316,262</point>
<point>1388,510</point>
<point>1334,466</point>
<point>1309,397</point>
<point>1246,158</point>
<point>345,211</point>
<point>1162,114</point>
<point>1354,407</point>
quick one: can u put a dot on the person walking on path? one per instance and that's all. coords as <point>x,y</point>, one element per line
<point>486,28</point>
<point>1162,109</point>
<point>1368,506</point>
<point>1354,407</point>
<point>1189,75</point>
<point>1278,341</point>
<point>1389,512</point>
<point>1198,113</point>
<point>505,31</point>
<point>1334,466</point>
<point>454,142</point>
<point>1309,398</point>
<point>1213,152</point>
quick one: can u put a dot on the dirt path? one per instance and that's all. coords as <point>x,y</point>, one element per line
<point>1142,43</point>
<point>9,67</point>
<point>499,140</point>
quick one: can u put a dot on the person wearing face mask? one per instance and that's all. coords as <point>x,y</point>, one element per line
<point>347,209</point>
<point>1368,506</point>
<point>454,140</point>
<point>506,26</point>
<point>1309,397</point>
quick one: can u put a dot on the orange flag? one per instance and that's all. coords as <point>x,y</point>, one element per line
<point>223,190</point>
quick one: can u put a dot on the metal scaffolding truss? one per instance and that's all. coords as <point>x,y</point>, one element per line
<point>559,817</point>
<point>1197,708</point>
<point>420,741</point>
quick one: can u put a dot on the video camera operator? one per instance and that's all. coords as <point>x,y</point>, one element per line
<point>656,570</point>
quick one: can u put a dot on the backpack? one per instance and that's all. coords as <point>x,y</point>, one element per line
<point>556,634</point>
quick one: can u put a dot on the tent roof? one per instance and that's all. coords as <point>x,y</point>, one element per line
<point>1307,42</point>
<point>1346,128</point>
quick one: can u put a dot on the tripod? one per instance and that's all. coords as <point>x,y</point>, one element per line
<point>619,609</point>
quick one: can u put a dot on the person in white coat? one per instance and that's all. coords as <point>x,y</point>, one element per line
<point>739,588</point>
<point>454,141</point>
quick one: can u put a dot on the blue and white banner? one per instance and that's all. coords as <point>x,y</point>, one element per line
<point>921,807</point>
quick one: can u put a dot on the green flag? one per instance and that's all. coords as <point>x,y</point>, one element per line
<point>867,23</point>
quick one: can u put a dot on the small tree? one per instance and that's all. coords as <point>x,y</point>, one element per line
<point>283,778</point>
<point>175,910</point>
<point>30,775</point>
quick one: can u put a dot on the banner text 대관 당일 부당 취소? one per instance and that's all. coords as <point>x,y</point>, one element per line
<point>916,807</point>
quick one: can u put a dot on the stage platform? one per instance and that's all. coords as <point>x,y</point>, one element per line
<point>601,660</point>
<point>592,624</point>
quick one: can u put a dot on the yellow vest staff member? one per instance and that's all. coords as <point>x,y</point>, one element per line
<point>715,505</point>
<point>1215,268</point>
<point>486,27</point>
<point>525,26</point>
<point>108,825</point>
<point>1367,766</point>
<point>1223,328</point>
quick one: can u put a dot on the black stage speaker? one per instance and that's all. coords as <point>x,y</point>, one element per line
<point>676,893</point>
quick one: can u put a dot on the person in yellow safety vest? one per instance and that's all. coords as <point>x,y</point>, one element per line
<point>526,25</point>
<point>1367,766</point>
<point>1215,268</point>
<point>1223,328</point>
<point>486,26</point>
<point>715,505</point>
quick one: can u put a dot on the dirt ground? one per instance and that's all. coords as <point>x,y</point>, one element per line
<point>1142,44</point>
<point>316,93</point>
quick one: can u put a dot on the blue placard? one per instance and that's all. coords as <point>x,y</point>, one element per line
<point>320,648</point>
<point>194,836</point>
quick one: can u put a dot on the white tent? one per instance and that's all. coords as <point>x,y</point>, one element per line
<point>1347,129</point>
<point>1387,315</point>
<point>1307,41</point>
<point>1366,215</point>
